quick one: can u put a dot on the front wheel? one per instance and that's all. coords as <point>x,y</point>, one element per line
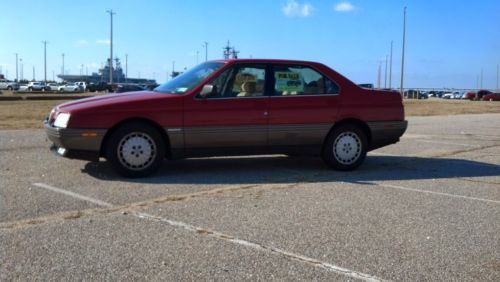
<point>135,150</point>
<point>345,147</point>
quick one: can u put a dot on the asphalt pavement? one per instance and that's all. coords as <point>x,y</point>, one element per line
<point>424,209</point>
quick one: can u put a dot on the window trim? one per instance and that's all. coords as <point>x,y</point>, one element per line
<point>264,66</point>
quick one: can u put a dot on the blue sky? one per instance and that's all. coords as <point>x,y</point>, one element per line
<point>448,42</point>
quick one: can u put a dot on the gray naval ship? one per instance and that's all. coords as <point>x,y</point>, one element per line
<point>103,76</point>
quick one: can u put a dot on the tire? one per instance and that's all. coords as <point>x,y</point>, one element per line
<point>135,150</point>
<point>30,89</point>
<point>9,88</point>
<point>345,147</point>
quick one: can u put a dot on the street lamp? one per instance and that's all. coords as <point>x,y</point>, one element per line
<point>206,51</point>
<point>111,13</point>
<point>403,52</point>
<point>17,79</point>
<point>62,64</point>
<point>45,60</point>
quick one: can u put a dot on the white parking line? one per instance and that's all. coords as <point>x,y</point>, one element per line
<point>435,193</point>
<point>448,143</point>
<point>72,194</point>
<point>221,236</point>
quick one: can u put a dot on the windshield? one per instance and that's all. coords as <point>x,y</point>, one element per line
<point>189,79</point>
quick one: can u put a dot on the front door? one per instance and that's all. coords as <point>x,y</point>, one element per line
<point>234,115</point>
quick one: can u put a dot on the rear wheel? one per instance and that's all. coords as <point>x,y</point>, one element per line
<point>135,150</point>
<point>345,147</point>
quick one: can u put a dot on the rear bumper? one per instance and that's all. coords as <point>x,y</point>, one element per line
<point>71,143</point>
<point>384,133</point>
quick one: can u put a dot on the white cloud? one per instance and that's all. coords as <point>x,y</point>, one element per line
<point>294,9</point>
<point>344,7</point>
<point>103,41</point>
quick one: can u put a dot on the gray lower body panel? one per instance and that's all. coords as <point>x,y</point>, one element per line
<point>384,133</point>
<point>76,143</point>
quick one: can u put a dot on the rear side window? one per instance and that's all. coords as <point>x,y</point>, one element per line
<point>301,80</point>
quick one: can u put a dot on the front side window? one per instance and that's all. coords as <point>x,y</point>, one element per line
<point>240,81</point>
<point>301,80</point>
<point>190,79</point>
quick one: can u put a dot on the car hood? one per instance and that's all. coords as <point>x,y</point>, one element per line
<point>112,99</point>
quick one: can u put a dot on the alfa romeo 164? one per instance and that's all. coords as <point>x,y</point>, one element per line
<point>227,108</point>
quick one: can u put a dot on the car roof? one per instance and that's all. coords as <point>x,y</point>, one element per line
<point>267,61</point>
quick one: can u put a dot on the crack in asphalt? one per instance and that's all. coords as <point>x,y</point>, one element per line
<point>131,207</point>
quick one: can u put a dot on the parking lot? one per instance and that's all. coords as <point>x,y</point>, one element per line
<point>426,208</point>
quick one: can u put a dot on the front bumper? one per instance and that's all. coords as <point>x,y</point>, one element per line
<point>72,143</point>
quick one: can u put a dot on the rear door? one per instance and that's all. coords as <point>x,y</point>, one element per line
<point>303,107</point>
<point>235,115</point>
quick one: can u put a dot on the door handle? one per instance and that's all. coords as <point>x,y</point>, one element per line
<point>266,113</point>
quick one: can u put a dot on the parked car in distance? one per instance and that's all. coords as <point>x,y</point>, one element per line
<point>482,93</point>
<point>70,87</point>
<point>469,95</point>
<point>82,84</point>
<point>37,86</point>
<point>127,87</point>
<point>448,95</point>
<point>53,86</point>
<point>491,97</point>
<point>458,94</point>
<point>415,94</point>
<point>231,107</point>
<point>8,85</point>
<point>100,86</point>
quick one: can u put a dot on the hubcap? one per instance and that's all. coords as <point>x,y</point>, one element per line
<point>347,148</point>
<point>136,151</point>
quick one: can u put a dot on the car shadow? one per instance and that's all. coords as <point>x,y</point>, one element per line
<point>283,169</point>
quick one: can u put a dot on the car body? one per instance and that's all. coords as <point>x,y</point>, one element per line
<point>8,85</point>
<point>82,85</point>
<point>448,95</point>
<point>469,95</point>
<point>491,97</point>
<point>38,86</point>
<point>100,86</point>
<point>231,107</point>
<point>53,86</point>
<point>70,87</point>
<point>482,93</point>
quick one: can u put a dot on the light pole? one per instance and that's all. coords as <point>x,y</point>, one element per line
<point>62,64</point>
<point>385,73</point>
<point>21,61</point>
<point>45,60</point>
<point>403,52</point>
<point>206,51</point>
<point>126,67</point>
<point>497,77</point>
<point>481,81</point>
<point>111,13</point>
<point>378,74</point>
<point>17,79</point>
<point>390,68</point>
<point>197,53</point>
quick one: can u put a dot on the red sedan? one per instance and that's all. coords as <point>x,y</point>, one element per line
<point>491,97</point>
<point>231,107</point>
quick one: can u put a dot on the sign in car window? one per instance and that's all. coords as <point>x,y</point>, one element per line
<point>289,81</point>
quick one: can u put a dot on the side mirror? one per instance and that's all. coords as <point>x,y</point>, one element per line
<point>207,90</point>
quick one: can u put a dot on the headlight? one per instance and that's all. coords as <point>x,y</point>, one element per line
<point>62,120</point>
